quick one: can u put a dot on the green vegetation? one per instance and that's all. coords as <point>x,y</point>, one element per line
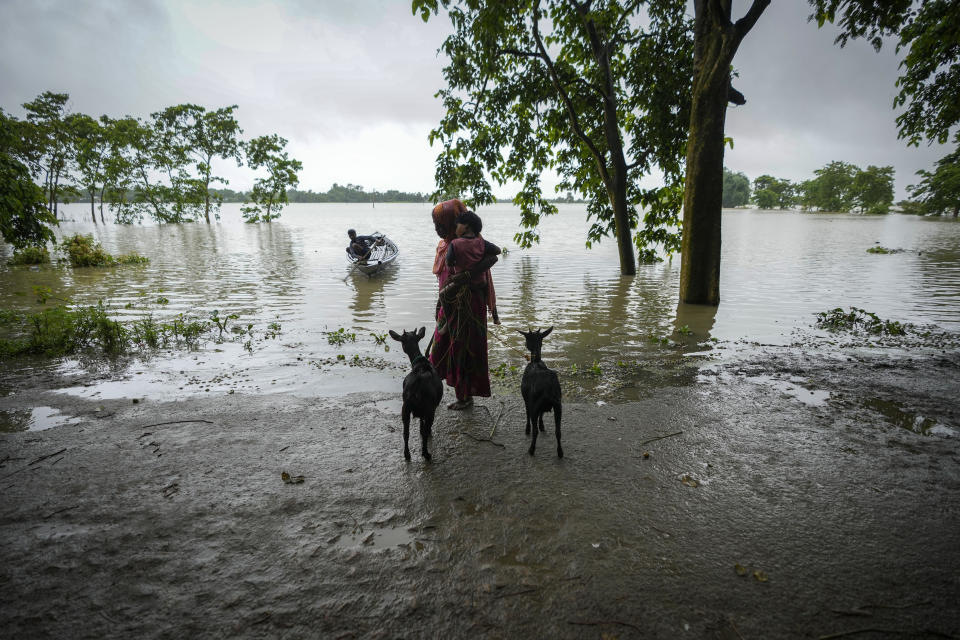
<point>340,337</point>
<point>773,193</point>
<point>30,254</point>
<point>269,194</point>
<point>736,189</point>
<point>939,191</point>
<point>859,320</point>
<point>929,84</point>
<point>591,91</point>
<point>160,167</point>
<point>84,251</point>
<point>883,250</point>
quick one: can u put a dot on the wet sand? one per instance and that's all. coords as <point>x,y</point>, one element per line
<point>790,496</point>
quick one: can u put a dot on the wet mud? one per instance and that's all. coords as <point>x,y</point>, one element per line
<point>788,495</point>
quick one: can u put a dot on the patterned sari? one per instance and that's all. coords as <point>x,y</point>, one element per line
<point>460,353</point>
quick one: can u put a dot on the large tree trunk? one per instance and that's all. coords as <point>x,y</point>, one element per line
<point>716,40</point>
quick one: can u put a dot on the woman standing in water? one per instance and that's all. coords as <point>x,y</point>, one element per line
<point>460,341</point>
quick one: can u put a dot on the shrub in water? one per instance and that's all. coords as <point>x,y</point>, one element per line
<point>30,255</point>
<point>84,251</point>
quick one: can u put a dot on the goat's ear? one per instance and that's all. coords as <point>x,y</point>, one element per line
<point>521,332</point>
<point>546,333</point>
<point>421,332</point>
<point>394,335</point>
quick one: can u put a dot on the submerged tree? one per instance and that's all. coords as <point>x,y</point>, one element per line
<point>736,189</point>
<point>25,218</point>
<point>872,189</point>
<point>773,193</point>
<point>90,147</point>
<point>939,190</point>
<point>189,132</point>
<point>595,90</point>
<point>269,194</point>
<point>716,40</point>
<point>48,142</point>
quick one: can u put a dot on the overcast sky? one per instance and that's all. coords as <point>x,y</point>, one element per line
<point>351,84</point>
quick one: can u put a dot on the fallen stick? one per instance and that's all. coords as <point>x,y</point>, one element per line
<point>50,515</point>
<point>515,593</point>
<point>669,435</point>
<point>49,455</point>
<point>160,424</point>
<point>603,622</point>
<point>853,632</point>
<point>470,435</point>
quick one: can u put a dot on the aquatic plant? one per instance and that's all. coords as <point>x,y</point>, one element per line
<point>221,321</point>
<point>684,330</point>
<point>30,255</point>
<point>859,319</point>
<point>340,337</point>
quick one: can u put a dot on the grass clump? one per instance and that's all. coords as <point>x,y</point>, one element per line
<point>61,330</point>
<point>859,320</point>
<point>84,251</point>
<point>30,255</point>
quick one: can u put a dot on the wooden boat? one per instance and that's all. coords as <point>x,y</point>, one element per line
<point>381,256</point>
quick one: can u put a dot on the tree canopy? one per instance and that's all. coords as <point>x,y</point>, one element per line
<point>939,190</point>
<point>736,189</point>
<point>930,76</point>
<point>597,91</point>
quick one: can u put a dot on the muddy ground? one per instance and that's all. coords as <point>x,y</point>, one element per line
<point>789,496</point>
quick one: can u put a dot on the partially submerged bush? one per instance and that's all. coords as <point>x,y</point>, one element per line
<point>84,251</point>
<point>31,254</point>
<point>60,330</point>
<point>859,319</point>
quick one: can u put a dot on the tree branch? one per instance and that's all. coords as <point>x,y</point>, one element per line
<point>746,23</point>
<point>519,52</point>
<point>571,112</point>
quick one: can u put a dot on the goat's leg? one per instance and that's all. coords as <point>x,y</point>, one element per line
<point>556,419</point>
<point>425,424</point>
<point>541,422</point>
<point>533,441</point>
<point>405,415</point>
<point>526,406</point>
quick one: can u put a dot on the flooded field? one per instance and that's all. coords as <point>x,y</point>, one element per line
<point>292,290</point>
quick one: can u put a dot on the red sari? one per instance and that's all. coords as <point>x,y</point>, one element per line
<point>460,354</point>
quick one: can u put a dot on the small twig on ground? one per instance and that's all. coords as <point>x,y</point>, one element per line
<point>50,515</point>
<point>734,627</point>
<point>853,632</point>
<point>160,424</point>
<point>669,435</point>
<point>515,593</point>
<point>603,622</point>
<point>470,435</point>
<point>284,449</point>
<point>49,455</point>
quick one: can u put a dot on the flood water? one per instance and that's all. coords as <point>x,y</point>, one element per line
<point>778,270</point>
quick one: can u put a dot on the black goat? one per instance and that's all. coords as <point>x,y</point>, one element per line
<point>422,390</point>
<point>540,388</point>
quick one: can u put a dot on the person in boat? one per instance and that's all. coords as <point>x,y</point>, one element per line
<point>462,264</point>
<point>360,246</point>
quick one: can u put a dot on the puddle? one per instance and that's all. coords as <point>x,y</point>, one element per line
<point>391,407</point>
<point>916,423</point>
<point>377,538</point>
<point>36,419</point>
<point>791,386</point>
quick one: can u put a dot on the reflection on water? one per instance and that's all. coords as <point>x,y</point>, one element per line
<point>778,270</point>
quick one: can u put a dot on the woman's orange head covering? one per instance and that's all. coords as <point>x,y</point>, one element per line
<point>445,216</point>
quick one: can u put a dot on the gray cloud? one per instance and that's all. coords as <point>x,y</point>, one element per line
<point>333,75</point>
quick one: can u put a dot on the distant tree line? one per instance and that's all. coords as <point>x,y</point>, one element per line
<point>159,167</point>
<point>838,186</point>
